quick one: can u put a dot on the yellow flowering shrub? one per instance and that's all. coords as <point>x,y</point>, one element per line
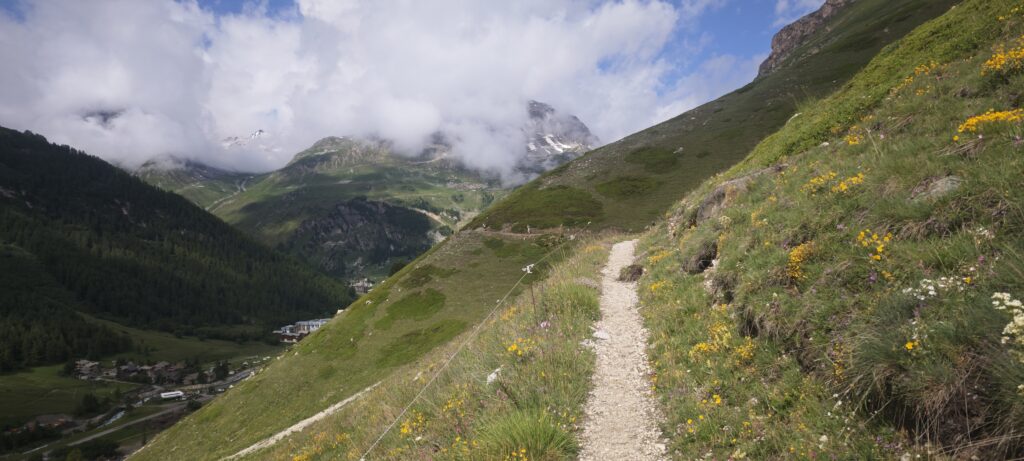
<point>976,123</point>
<point>413,425</point>
<point>1016,11</point>
<point>1005,61</point>
<point>521,347</point>
<point>659,256</point>
<point>658,285</point>
<point>868,239</point>
<point>818,182</point>
<point>519,455</point>
<point>797,256</point>
<point>921,70</point>
<point>846,184</point>
<point>745,352</point>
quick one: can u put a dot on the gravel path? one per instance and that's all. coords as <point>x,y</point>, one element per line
<point>621,416</point>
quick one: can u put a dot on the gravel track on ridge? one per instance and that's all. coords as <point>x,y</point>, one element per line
<point>621,415</point>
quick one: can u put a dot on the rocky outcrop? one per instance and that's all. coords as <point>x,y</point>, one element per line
<point>720,197</point>
<point>701,257</point>
<point>934,188</point>
<point>796,34</point>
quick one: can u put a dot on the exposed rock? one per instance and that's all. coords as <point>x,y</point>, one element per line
<point>494,375</point>
<point>701,259</point>
<point>794,35</point>
<point>933,188</point>
<point>725,193</point>
<point>631,273</point>
<point>602,335</point>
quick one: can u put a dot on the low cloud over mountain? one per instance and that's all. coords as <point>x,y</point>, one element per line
<point>129,80</point>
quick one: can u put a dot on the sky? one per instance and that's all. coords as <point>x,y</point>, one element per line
<point>133,80</point>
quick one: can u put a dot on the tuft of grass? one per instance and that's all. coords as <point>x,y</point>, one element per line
<point>531,434</point>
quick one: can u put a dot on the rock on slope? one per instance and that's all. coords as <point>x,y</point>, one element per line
<point>789,39</point>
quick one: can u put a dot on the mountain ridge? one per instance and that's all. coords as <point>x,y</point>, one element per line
<point>365,179</point>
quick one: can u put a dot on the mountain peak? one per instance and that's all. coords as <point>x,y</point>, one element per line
<point>791,37</point>
<point>237,141</point>
<point>553,138</point>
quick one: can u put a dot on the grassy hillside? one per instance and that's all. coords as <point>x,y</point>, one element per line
<point>424,306</point>
<point>628,184</point>
<point>531,407</point>
<point>861,296</point>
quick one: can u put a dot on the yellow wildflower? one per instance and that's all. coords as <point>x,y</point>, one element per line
<point>973,124</point>
<point>797,256</point>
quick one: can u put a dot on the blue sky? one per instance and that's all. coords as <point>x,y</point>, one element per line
<point>184,75</point>
<point>736,27</point>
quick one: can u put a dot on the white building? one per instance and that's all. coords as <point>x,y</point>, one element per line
<point>294,333</point>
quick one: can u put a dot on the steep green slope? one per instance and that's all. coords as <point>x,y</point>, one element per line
<point>630,183</point>
<point>529,408</point>
<point>867,282</point>
<point>105,243</point>
<point>425,305</point>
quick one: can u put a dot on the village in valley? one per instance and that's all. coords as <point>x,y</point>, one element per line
<point>163,393</point>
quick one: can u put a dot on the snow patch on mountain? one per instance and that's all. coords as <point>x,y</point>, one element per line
<point>553,138</point>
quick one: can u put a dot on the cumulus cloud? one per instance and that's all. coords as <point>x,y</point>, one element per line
<point>129,80</point>
<point>787,11</point>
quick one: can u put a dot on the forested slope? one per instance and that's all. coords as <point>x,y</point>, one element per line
<point>88,236</point>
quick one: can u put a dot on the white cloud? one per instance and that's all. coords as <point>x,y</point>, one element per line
<point>787,11</point>
<point>182,79</point>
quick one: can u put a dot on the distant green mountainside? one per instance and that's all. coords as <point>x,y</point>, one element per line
<point>630,183</point>
<point>348,207</point>
<point>78,234</point>
<point>202,184</point>
<point>353,207</point>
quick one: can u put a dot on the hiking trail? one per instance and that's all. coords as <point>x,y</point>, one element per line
<point>621,414</point>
